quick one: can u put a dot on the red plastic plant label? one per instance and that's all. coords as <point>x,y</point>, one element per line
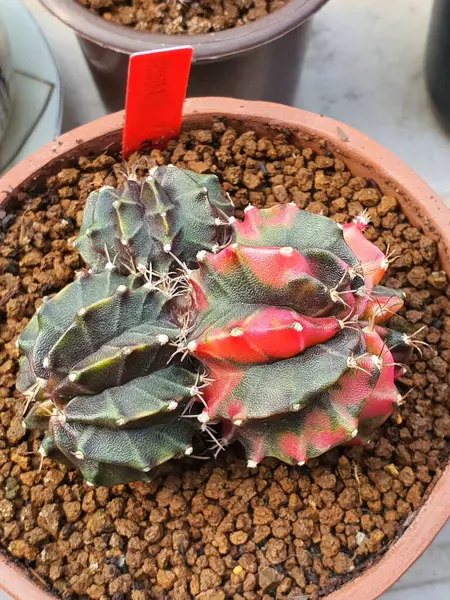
<point>156,89</point>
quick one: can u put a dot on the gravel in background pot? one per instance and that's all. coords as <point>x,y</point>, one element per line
<point>256,61</point>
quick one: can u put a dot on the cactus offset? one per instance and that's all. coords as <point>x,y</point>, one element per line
<point>172,213</point>
<point>95,357</point>
<point>275,337</point>
<point>286,330</point>
<point>95,363</point>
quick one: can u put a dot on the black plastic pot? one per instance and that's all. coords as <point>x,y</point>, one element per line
<point>437,60</point>
<point>5,81</point>
<point>258,61</point>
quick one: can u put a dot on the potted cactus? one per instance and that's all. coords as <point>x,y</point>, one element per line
<point>193,323</point>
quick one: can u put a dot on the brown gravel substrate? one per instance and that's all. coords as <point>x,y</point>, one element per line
<point>191,17</point>
<point>216,530</point>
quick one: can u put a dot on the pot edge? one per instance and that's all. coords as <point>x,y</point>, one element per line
<point>207,47</point>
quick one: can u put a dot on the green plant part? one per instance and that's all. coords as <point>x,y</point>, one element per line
<point>165,219</point>
<point>287,331</point>
<point>95,367</point>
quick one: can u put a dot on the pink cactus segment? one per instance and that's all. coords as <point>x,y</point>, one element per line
<point>234,409</point>
<point>254,444</point>
<point>354,387</point>
<point>320,437</point>
<point>323,429</point>
<point>381,308</point>
<point>280,214</point>
<point>381,401</point>
<point>383,397</point>
<point>273,267</point>
<point>373,261</point>
<point>375,345</point>
<point>256,451</point>
<point>225,379</point>
<point>361,302</point>
<point>345,402</point>
<point>225,261</point>
<point>199,299</point>
<point>227,430</point>
<point>293,446</point>
<point>266,335</point>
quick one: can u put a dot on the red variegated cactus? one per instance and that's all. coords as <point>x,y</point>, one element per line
<point>287,330</point>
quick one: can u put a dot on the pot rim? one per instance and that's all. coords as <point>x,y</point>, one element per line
<point>418,201</point>
<point>207,46</point>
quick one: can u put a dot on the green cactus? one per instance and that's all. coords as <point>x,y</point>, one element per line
<point>95,359</point>
<point>173,212</point>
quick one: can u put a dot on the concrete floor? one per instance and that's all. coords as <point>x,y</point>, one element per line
<point>381,93</point>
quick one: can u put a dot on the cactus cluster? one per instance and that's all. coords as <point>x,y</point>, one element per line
<point>188,322</point>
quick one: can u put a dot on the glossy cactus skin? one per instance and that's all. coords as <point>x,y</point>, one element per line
<point>287,331</point>
<point>95,360</point>
<point>172,212</point>
<point>275,338</point>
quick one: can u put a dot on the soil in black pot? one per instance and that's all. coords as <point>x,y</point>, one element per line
<point>215,530</point>
<point>191,17</point>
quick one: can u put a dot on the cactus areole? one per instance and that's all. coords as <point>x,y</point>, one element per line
<point>187,322</point>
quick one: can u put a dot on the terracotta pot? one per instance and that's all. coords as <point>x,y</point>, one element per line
<point>364,158</point>
<point>258,61</point>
